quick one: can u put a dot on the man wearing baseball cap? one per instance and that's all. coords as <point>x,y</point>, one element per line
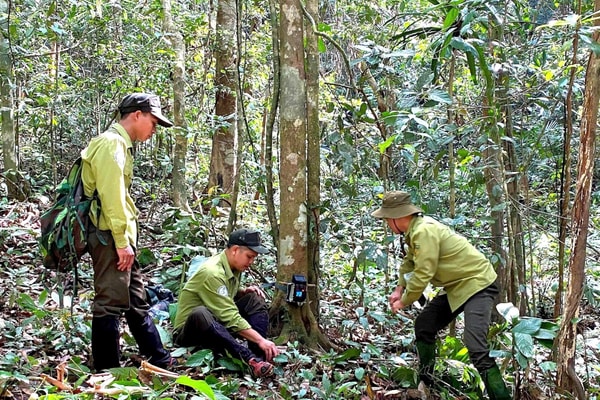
<point>437,255</point>
<point>213,310</point>
<point>112,237</point>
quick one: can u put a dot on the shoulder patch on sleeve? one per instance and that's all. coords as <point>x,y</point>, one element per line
<point>120,157</point>
<point>222,290</point>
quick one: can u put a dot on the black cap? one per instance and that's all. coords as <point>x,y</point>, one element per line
<point>144,102</point>
<point>249,238</point>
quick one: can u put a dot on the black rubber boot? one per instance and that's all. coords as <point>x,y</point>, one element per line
<point>494,383</point>
<point>426,353</point>
<point>105,342</point>
<point>148,339</point>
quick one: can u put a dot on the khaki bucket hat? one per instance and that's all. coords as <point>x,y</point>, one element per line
<point>396,205</point>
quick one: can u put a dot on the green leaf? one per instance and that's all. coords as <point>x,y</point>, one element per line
<point>524,344</point>
<point>199,386</point>
<point>404,376</point>
<point>590,43</point>
<point>440,96</point>
<point>545,334</point>
<point>460,44</point>
<point>472,69</point>
<point>26,302</point>
<point>359,373</point>
<point>351,353</point>
<point>523,361</point>
<point>548,366</point>
<point>322,48</point>
<point>200,358</point>
<point>529,326</point>
<point>450,18</point>
<point>384,146</point>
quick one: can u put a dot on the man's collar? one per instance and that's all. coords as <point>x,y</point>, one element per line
<point>121,131</point>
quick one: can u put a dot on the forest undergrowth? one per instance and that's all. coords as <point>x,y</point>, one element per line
<point>45,339</point>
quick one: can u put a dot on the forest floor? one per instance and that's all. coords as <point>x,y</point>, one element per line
<point>44,347</point>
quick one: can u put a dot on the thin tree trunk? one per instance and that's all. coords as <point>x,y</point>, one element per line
<point>270,192</point>
<point>494,183</point>
<point>516,258</point>
<point>240,120</point>
<point>9,154</point>
<point>567,379</point>
<point>223,160</point>
<point>313,156</point>
<point>565,181</point>
<point>451,163</point>
<point>179,191</point>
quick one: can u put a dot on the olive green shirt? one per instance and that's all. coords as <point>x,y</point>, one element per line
<point>440,256</point>
<point>214,286</point>
<point>108,168</point>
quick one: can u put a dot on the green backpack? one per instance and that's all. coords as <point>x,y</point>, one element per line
<point>65,224</point>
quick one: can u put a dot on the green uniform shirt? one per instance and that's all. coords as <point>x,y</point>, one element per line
<point>440,256</point>
<point>214,286</point>
<point>108,168</point>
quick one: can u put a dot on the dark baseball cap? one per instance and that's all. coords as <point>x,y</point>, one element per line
<point>249,238</point>
<point>144,102</point>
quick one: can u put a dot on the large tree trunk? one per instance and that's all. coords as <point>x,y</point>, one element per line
<point>223,160</point>
<point>293,241</point>
<point>567,379</point>
<point>179,193</point>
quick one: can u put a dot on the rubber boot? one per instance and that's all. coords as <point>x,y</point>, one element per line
<point>426,353</point>
<point>105,342</point>
<point>494,383</point>
<point>148,339</point>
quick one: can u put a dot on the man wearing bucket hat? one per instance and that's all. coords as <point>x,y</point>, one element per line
<point>437,255</point>
<point>113,234</point>
<point>213,310</point>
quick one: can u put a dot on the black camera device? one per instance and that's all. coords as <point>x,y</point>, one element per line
<point>296,290</point>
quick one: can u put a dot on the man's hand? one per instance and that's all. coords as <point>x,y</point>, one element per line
<point>269,348</point>
<point>397,306</point>
<point>126,257</point>
<point>396,295</point>
<point>254,289</point>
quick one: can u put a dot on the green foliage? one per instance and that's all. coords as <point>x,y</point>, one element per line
<point>523,333</point>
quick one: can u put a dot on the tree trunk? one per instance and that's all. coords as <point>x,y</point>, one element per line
<point>9,154</point>
<point>223,160</point>
<point>293,242</point>
<point>567,379</point>
<point>565,179</point>
<point>494,183</point>
<point>313,156</point>
<point>179,191</point>
<point>272,117</point>
<point>516,243</point>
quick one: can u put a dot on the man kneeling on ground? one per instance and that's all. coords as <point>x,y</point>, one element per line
<point>213,310</point>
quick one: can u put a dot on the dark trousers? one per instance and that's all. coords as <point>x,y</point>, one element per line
<point>202,330</point>
<point>119,293</point>
<point>478,312</point>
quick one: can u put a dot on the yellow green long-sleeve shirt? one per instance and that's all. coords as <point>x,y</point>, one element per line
<point>214,286</point>
<point>442,257</point>
<point>108,168</point>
